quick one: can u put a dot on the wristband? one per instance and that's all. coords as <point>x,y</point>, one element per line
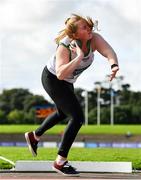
<point>114,65</point>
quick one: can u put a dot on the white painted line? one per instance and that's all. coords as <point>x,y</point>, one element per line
<point>7,160</point>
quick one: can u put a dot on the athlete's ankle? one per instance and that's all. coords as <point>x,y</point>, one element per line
<point>36,137</point>
<point>60,160</point>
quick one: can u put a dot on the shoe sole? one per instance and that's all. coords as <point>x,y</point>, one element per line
<point>29,145</point>
<point>70,175</point>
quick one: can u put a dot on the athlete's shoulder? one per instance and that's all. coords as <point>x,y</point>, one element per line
<point>65,41</point>
<point>96,35</point>
<point>96,39</point>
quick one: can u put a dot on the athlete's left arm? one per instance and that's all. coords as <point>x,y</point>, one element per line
<point>99,44</point>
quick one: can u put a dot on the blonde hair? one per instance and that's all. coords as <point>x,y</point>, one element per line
<point>71,27</point>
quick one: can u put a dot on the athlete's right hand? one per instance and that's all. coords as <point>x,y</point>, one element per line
<point>79,51</point>
<point>76,49</point>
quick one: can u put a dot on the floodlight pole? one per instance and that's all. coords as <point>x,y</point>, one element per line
<point>98,84</point>
<point>119,79</point>
<point>86,107</point>
<point>85,96</point>
<point>112,105</point>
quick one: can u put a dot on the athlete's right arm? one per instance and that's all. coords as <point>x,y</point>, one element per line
<point>65,67</point>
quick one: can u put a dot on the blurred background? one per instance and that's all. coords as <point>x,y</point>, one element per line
<point>27,32</point>
<point>28,29</point>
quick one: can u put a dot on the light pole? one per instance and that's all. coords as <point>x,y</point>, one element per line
<point>1,59</point>
<point>119,79</point>
<point>98,87</point>
<point>86,107</point>
<point>112,105</point>
<point>85,95</point>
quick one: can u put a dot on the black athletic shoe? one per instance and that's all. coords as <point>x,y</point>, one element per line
<point>31,142</point>
<point>66,169</point>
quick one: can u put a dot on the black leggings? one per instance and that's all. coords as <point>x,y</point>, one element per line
<point>62,93</point>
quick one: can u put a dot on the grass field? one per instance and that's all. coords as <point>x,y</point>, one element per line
<point>90,129</point>
<point>76,154</point>
<point>79,154</point>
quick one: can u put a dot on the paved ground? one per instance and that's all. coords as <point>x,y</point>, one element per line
<point>87,176</point>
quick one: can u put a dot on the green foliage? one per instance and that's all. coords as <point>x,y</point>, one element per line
<point>32,101</point>
<point>16,117</point>
<point>13,99</point>
<point>92,100</point>
<point>92,116</point>
<point>136,113</point>
<point>104,116</point>
<point>29,117</point>
<point>123,114</point>
<point>127,106</point>
<point>17,106</point>
<point>2,117</point>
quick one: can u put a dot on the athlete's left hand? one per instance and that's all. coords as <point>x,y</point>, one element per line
<point>113,73</point>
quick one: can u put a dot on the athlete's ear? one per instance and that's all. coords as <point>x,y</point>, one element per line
<point>74,36</point>
<point>78,41</point>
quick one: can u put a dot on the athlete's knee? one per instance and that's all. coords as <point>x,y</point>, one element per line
<point>61,115</point>
<point>79,119</point>
<point>81,122</point>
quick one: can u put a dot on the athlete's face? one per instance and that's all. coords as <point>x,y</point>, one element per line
<point>84,32</point>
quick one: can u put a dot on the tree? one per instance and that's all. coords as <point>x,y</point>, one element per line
<point>32,101</point>
<point>92,116</point>
<point>23,101</point>
<point>21,105</point>
<point>16,117</point>
<point>2,117</point>
<point>13,99</point>
<point>29,117</point>
<point>123,114</point>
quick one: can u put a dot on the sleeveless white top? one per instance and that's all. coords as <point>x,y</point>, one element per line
<point>84,64</point>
